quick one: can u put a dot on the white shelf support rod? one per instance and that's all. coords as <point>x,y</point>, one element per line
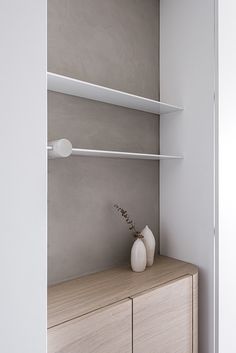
<point>59,148</point>
<point>63,148</point>
<point>118,154</point>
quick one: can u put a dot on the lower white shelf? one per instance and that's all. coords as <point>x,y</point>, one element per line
<point>63,148</point>
<point>117,154</point>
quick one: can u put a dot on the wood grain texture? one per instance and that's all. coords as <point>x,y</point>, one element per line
<point>103,331</point>
<point>162,319</point>
<point>77,297</point>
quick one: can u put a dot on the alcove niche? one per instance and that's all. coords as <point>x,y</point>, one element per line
<point>134,80</point>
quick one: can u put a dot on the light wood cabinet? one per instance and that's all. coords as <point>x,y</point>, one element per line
<point>103,331</point>
<point>120,311</point>
<point>162,318</point>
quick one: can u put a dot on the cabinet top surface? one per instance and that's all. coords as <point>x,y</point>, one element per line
<point>80,296</point>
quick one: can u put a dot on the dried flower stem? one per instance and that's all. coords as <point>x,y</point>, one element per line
<point>129,221</point>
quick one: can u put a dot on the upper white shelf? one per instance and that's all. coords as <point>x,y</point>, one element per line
<point>71,86</point>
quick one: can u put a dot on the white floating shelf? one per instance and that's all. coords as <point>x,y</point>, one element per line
<point>62,148</point>
<point>117,154</point>
<point>71,86</point>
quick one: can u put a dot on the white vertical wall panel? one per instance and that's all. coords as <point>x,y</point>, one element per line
<point>227,176</point>
<point>23,176</point>
<point>187,187</point>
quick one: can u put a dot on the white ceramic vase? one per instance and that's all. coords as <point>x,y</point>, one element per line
<point>138,256</point>
<point>150,244</point>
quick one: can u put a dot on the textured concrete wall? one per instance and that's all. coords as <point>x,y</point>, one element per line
<point>112,43</point>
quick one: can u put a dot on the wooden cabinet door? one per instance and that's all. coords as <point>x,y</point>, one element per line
<point>162,318</point>
<point>107,330</point>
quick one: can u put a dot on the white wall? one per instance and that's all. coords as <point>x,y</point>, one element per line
<point>227,176</point>
<point>23,176</point>
<point>187,187</point>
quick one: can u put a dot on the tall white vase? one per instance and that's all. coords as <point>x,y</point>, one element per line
<point>138,256</point>
<point>150,244</point>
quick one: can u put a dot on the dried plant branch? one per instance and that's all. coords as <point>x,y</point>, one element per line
<point>129,221</point>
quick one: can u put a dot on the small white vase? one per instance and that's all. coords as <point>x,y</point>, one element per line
<point>150,244</point>
<point>138,256</point>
